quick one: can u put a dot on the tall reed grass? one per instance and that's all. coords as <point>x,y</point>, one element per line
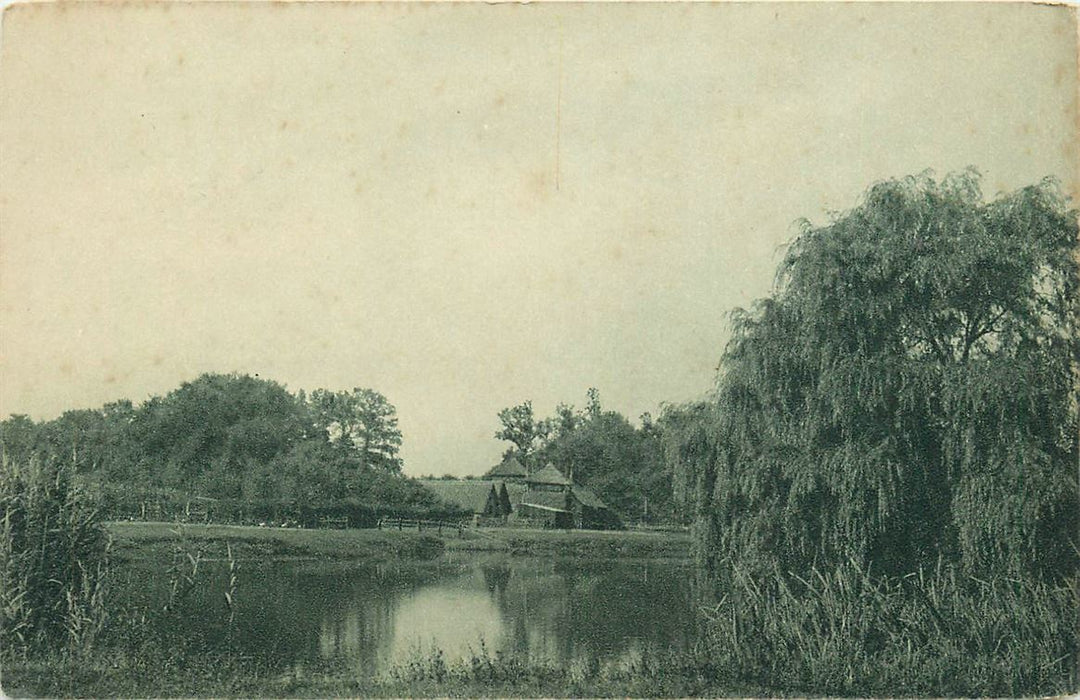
<point>938,633</point>
<point>53,560</point>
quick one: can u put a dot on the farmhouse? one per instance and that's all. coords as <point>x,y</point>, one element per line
<point>484,498</point>
<point>555,501</point>
<point>546,497</point>
<point>478,497</point>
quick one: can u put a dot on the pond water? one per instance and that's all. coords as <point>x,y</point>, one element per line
<point>554,610</point>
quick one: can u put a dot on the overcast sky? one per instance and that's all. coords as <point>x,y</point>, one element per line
<point>466,206</point>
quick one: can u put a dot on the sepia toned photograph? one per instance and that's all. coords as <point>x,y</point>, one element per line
<point>552,349</point>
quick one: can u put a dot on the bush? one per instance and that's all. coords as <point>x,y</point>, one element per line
<point>53,560</point>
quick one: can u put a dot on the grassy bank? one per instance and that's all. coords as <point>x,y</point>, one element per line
<point>147,540</point>
<point>144,540</point>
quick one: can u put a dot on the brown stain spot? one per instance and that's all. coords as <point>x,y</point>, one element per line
<point>180,59</point>
<point>616,252</point>
<point>500,101</point>
<point>649,233</point>
<point>1061,72</point>
<point>110,378</point>
<point>283,125</point>
<point>432,191</point>
<point>359,189</point>
<point>537,184</point>
<point>157,360</point>
<point>66,369</point>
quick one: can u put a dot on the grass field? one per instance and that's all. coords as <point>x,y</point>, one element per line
<point>157,540</point>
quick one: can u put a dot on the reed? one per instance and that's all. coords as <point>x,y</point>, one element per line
<point>933,633</point>
<point>53,560</point>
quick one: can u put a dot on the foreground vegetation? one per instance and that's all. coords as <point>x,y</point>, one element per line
<point>426,675</point>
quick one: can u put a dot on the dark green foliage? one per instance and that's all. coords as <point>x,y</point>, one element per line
<point>621,463</point>
<point>599,449</point>
<point>362,424</point>
<point>228,438</point>
<point>53,559</point>
<point>907,393</point>
<point>847,633</point>
<point>213,430</point>
<point>521,429</point>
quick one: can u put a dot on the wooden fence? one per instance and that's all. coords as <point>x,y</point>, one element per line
<point>421,525</point>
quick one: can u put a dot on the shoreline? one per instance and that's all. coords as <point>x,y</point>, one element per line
<point>150,540</point>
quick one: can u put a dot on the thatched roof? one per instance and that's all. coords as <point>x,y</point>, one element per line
<point>588,498</point>
<point>545,500</point>
<point>509,469</point>
<point>548,475</point>
<point>471,495</point>
<point>515,491</point>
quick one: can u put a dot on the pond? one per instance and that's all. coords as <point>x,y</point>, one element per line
<point>373,616</point>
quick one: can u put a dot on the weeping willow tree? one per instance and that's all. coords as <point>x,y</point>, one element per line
<point>906,394</point>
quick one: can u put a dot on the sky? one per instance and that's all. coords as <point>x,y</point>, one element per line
<point>467,206</point>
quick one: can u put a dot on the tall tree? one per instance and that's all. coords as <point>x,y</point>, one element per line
<point>362,423</point>
<point>18,439</point>
<point>907,392</point>
<point>520,428</point>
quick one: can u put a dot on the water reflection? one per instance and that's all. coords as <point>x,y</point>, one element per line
<point>552,610</point>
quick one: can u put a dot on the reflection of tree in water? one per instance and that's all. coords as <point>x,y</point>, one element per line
<point>496,577</point>
<point>294,612</point>
<point>299,613</point>
<point>551,610</point>
<point>573,609</point>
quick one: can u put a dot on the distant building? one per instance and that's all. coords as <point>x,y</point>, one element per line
<point>471,495</point>
<point>545,497</point>
<point>557,502</point>
<point>480,497</point>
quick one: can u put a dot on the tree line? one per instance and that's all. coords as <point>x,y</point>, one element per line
<point>229,436</point>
